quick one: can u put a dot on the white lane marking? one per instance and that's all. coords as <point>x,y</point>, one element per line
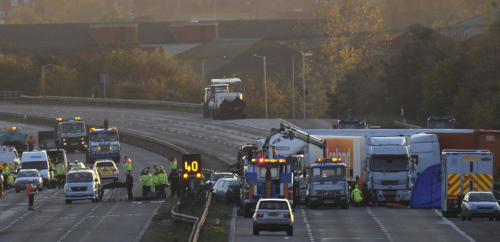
<point>382,227</point>
<point>454,226</point>
<point>79,222</point>
<point>143,231</point>
<point>233,224</point>
<point>26,214</point>
<point>98,223</point>
<point>308,227</point>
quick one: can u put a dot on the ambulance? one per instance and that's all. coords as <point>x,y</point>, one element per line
<point>464,170</point>
<point>10,157</point>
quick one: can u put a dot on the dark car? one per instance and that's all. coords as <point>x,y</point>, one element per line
<point>480,204</point>
<point>233,192</point>
<point>218,175</point>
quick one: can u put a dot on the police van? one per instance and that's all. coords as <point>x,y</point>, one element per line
<point>38,160</point>
<point>10,158</point>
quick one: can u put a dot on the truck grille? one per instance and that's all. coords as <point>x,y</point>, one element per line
<point>390,182</point>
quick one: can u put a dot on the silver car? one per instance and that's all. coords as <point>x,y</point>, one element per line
<point>480,204</point>
<point>220,188</point>
<point>26,175</point>
<point>272,214</point>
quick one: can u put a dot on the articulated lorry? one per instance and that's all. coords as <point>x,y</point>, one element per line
<point>224,100</point>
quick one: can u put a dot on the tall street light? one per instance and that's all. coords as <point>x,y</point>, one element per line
<point>265,81</point>
<point>293,87</point>
<point>43,78</point>
<point>203,69</point>
<point>304,78</point>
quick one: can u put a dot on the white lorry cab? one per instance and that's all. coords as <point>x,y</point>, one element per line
<point>38,160</point>
<point>10,157</point>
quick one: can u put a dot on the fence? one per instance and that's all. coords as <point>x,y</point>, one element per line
<point>112,102</point>
<point>10,95</point>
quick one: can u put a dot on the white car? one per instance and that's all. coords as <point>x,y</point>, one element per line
<point>25,175</point>
<point>220,188</point>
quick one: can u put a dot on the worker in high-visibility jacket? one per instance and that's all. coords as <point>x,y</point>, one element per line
<point>128,164</point>
<point>144,177</point>
<point>60,174</point>
<point>173,164</point>
<point>30,191</point>
<point>162,180</point>
<point>156,180</point>
<point>149,180</point>
<point>359,182</point>
<point>6,173</point>
<point>356,196</point>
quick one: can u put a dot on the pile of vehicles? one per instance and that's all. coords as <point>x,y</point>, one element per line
<point>319,165</point>
<point>100,145</point>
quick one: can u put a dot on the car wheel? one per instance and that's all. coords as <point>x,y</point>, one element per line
<point>289,232</point>
<point>469,218</point>
<point>68,201</point>
<point>255,231</point>
<point>17,190</point>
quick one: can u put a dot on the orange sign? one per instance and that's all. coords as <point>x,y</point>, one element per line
<point>341,149</point>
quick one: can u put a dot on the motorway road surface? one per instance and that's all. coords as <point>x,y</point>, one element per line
<point>223,138</point>
<point>53,220</point>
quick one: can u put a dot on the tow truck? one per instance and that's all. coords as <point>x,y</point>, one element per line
<point>266,178</point>
<point>103,144</point>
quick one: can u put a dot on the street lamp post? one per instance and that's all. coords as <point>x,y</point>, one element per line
<point>203,70</point>
<point>43,78</point>
<point>265,81</point>
<point>293,88</point>
<point>304,78</point>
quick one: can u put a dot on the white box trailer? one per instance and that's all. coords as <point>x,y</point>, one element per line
<point>463,171</point>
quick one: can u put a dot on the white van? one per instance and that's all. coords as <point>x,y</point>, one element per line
<point>38,160</point>
<point>10,157</point>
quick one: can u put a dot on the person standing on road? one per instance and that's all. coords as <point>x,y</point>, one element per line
<point>149,180</point>
<point>31,143</point>
<point>30,190</point>
<point>173,178</point>
<point>60,174</point>
<point>359,182</point>
<point>129,183</point>
<point>356,196</point>
<point>156,181</point>
<point>6,173</point>
<point>173,164</point>
<point>162,179</point>
<point>144,178</point>
<point>128,164</point>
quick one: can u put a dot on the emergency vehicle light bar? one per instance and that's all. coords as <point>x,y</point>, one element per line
<point>59,119</point>
<point>323,160</point>
<point>78,118</point>
<point>92,129</point>
<point>80,169</point>
<point>262,160</point>
<point>113,128</point>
